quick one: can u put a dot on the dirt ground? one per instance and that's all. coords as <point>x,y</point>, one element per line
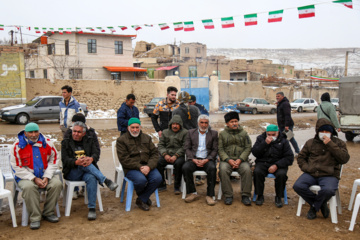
<point>176,219</point>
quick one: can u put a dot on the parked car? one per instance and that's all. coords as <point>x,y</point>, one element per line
<point>38,108</point>
<point>256,105</point>
<point>304,104</point>
<point>335,102</point>
<point>149,107</point>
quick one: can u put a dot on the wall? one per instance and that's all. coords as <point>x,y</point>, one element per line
<point>103,94</point>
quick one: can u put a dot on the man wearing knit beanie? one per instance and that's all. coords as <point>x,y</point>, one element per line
<point>189,113</point>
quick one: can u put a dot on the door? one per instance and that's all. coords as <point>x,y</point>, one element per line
<point>307,104</point>
<point>41,109</point>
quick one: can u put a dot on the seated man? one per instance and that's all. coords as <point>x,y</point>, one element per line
<point>273,155</point>
<point>320,160</point>
<point>34,162</point>
<point>234,150</point>
<point>79,156</point>
<point>138,157</point>
<point>201,146</point>
<point>171,148</point>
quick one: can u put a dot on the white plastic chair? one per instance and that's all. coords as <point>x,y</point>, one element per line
<point>5,165</point>
<point>233,174</point>
<point>119,172</point>
<point>355,212</point>
<point>4,193</point>
<point>169,172</point>
<point>196,173</point>
<point>69,189</point>
<point>355,185</point>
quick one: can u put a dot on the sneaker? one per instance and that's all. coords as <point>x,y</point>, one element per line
<point>142,205</point>
<point>278,202</point>
<point>92,214</point>
<point>75,195</point>
<point>110,184</point>
<point>192,197</point>
<point>35,225</point>
<point>52,218</point>
<point>177,191</point>
<point>228,200</point>
<point>311,213</point>
<point>246,200</point>
<point>325,210</point>
<point>260,200</point>
<point>210,201</point>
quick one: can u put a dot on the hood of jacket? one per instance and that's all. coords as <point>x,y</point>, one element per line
<point>322,122</point>
<point>284,100</point>
<point>176,119</point>
<point>23,140</point>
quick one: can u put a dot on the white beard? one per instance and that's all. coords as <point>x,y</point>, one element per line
<point>134,135</point>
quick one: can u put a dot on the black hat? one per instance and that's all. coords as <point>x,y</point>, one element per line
<point>78,118</point>
<point>192,98</point>
<point>328,128</point>
<point>325,97</point>
<point>231,115</point>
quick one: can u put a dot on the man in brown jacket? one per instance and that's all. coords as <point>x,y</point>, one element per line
<point>320,160</point>
<point>201,146</point>
<point>138,157</point>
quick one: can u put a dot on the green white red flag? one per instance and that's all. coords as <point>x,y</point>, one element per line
<point>346,3</point>
<point>208,23</point>
<point>37,30</point>
<point>61,31</point>
<point>148,25</point>
<point>136,27</point>
<point>306,11</point>
<point>79,30</point>
<point>122,27</point>
<point>250,19</point>
<point>101,29</point>
<point>178,26</point>
<point>1,27</point>
<point>324,78</point>
<point>227,22</point>
<point>112,29</point>
<point>68,30</point>
<point>163,26</point>
<point>44,30</point>
<point>189,26</point>
<point>275,16</point>
<point>28,28</point>
<point>90,29</point>
<point>51,29</point>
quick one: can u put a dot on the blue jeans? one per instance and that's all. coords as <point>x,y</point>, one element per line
<point>144,185</point>
<point>292,140</point>
<point>328,185</point>
<point>91,175</point>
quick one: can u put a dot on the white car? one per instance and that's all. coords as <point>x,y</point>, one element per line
<point>335,102</point>
<point>304,104</point>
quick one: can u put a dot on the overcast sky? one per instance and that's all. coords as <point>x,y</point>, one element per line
<point>334,25</point>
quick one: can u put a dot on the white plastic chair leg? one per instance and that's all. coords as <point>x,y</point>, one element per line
<point>355,212</point>
<point>183,187</point>
<point>25,216</point>
<point>332,205</point>
<point>220,191</point>
<point>353,192</point>
<point>98,196</point>
<point>169,173</point>
<point>69,191</point>
<point>338,201</point>
<point>300,203</point>
<point>12,210</point>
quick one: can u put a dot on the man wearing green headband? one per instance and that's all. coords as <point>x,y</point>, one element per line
<point>273,155</point>
<point>139,156</point>
<point>34,161</point>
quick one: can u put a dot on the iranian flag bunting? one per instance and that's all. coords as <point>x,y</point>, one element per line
<point>44,30</point>
<point>178,26</point>
<point>52,30</point>
<point>275,16</point>
<point>136,27</point>
<point>149,25</point>
<point>90,28</point>
<point>1,27</point>
<point>250,19</point>
<point>122,27</point>
<point>227,22</point>
<point>208,23</point>
<point>347,3</point>
<point>68,30</point>
<point>37,30</point>
<point>79,30</point>
<point>306,11</point>
<point>112,29</point>
<point>28,28</point>
<point>61,31</point>
<point>163,26</point>
<point>189,26</point>
<point>100,28</point>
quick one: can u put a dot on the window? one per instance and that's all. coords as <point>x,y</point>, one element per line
<point>116,76</point>
<point>198,50</point>
<point>306,102</point>
<point>75,73</point>
<point>32,74</point>
<point>46,102</point>
<point>45,74</point>
<point>118,47</point>
<point>312,101</point>
<point>187,50</point>
<point>67,47</point>
<point>192,71</point>
<point>148,47</point>
<point>91,45</point>
<point>51,49</point>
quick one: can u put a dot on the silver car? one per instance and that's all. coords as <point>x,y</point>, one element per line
<point>38,108</point>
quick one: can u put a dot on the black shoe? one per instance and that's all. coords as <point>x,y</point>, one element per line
<point>228,200</point>
<point>278,202</point>
<point>246,200</point>
<point>260,200</point>
<point>325,210</point>
<point>92,214</point>
<point>177,191</point>
<point>110,184</point>
<point>142,205</point>
<point>311,213</point>
<point>35,225</point>
<point>52,218</point>
<point>149,202</point>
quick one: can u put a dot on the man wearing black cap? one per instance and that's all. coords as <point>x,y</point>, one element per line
<point>234,150</point>
<point>320,159</point>
<point>202,108</point>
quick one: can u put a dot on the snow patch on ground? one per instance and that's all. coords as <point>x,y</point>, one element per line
<point>264,125</point>
<point>109,114</point>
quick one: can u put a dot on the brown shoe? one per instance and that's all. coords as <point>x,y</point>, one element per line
<point>210,201</point>
<point>192,197</point>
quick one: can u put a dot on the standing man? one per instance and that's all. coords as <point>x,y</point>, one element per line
<point>125,112</point>
<point>171,149</point>
<point>284,119</point>
<point>273,155</point>
<point>188,113</point>
<point>202,108</point>
<point>201,146</point>
<point>79,155</point>
<point>34,161</point>
<point>320,160</point>
<point>138,157</point>
<point>164,109</point>
<point>68,108</point>
<point>234,150</point>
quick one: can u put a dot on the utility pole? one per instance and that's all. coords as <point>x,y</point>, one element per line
<point>346,61</point>
<point>22,44</point>
<point>310,83</point>
<point>12,37</point>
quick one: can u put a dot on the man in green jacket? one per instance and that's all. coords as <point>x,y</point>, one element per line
<point>234,150</point>
<point>171,148</point>
<point>328,111</point>
<point>138,156</point>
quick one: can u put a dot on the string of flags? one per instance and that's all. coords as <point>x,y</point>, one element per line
<point>187,26</point>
